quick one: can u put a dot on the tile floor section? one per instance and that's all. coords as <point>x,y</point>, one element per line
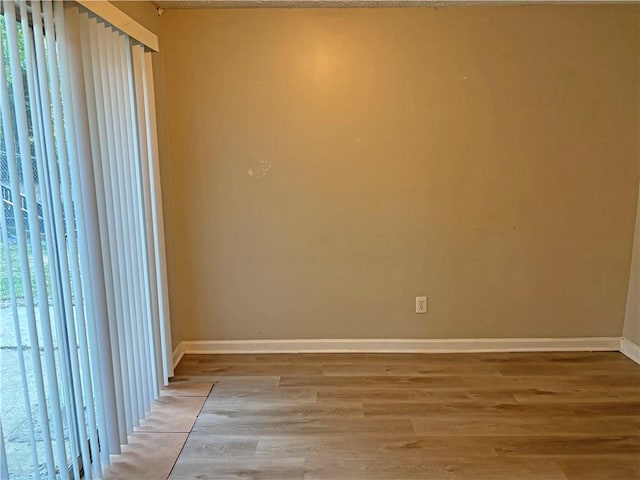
<point>154,447</point>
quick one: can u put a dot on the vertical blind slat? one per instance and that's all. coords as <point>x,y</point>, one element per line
<point>121,44</point>
<point>160,282</point>
<point>110,40</point>
<point>137,181</point>
<point>150,271</point>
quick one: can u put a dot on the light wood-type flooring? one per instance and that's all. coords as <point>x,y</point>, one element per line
<point>512,416</point>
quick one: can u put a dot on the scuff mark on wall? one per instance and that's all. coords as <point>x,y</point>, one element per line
<point>261,170</point>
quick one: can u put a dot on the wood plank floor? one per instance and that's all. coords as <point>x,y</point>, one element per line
<point>517,416</point>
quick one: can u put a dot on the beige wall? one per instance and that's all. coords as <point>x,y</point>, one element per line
<point>146,14</point>
<point>631,329</point>
<point>327,166</point>
<point>632,315</point>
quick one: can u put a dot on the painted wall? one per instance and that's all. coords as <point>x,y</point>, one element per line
<point>327,166</point>
<point>632,316</point>
<point>631,329</point>
<point>146,14</point>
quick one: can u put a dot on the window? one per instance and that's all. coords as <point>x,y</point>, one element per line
<point>84,342</point>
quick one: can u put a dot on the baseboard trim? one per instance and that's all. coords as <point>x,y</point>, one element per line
<point>630,349</point>
<point>471,345</point>
<point>177,354</point>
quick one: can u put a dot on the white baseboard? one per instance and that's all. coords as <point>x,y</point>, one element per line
<point>630,349</point>
<point>178,353</point>
<point>470,345</point>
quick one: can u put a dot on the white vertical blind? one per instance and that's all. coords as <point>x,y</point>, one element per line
<point>73,202</point>
<point>119,87</point>
<point>152,193</point>
<point>21,182</point>
<point>82,238</point>
<point>84,201</point>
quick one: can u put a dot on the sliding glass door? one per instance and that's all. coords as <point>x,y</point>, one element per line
<point>36,301</point>
<point>83,309</point>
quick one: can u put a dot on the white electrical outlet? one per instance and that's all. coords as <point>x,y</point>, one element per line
<point>421,304</point>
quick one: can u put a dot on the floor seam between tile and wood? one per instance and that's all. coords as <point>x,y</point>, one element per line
<point>185,441</point>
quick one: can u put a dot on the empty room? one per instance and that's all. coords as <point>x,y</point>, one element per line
<point>320,239</point>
